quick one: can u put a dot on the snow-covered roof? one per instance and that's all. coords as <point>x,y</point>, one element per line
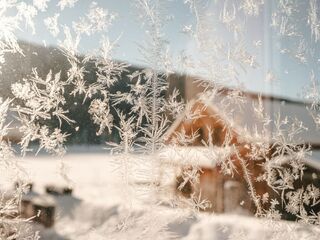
<point>309,161</point>
<point>195,156</point>
<point>210,156</point>
<point>243,115</point>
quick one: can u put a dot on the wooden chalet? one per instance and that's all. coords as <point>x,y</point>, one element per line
<point>207,133</point>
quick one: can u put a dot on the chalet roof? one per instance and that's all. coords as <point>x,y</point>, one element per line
<point>244,117</point>
<point>194,156</point>
<point>210,156</point>
<point>311,161</point>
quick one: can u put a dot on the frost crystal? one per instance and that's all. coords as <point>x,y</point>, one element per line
<point>41,4</point>
<point>66,3</point>
<point>52,24</point>
<point>224,149</point>
<point>313,20</point>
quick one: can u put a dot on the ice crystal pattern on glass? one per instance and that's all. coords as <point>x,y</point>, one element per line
<point>144,149</point>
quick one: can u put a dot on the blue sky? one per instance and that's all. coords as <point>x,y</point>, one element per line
<point>126,25</point>
<point>291,77</point>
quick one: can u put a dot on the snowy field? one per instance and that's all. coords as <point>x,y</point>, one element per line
<point>100,208</point>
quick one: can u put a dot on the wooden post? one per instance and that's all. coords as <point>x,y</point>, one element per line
<point>26,208</point>
<point>44,209</point>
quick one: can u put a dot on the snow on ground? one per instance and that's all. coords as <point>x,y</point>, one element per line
<point>100,208</point>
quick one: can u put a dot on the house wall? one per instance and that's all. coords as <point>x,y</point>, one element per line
<point>212,130</point>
